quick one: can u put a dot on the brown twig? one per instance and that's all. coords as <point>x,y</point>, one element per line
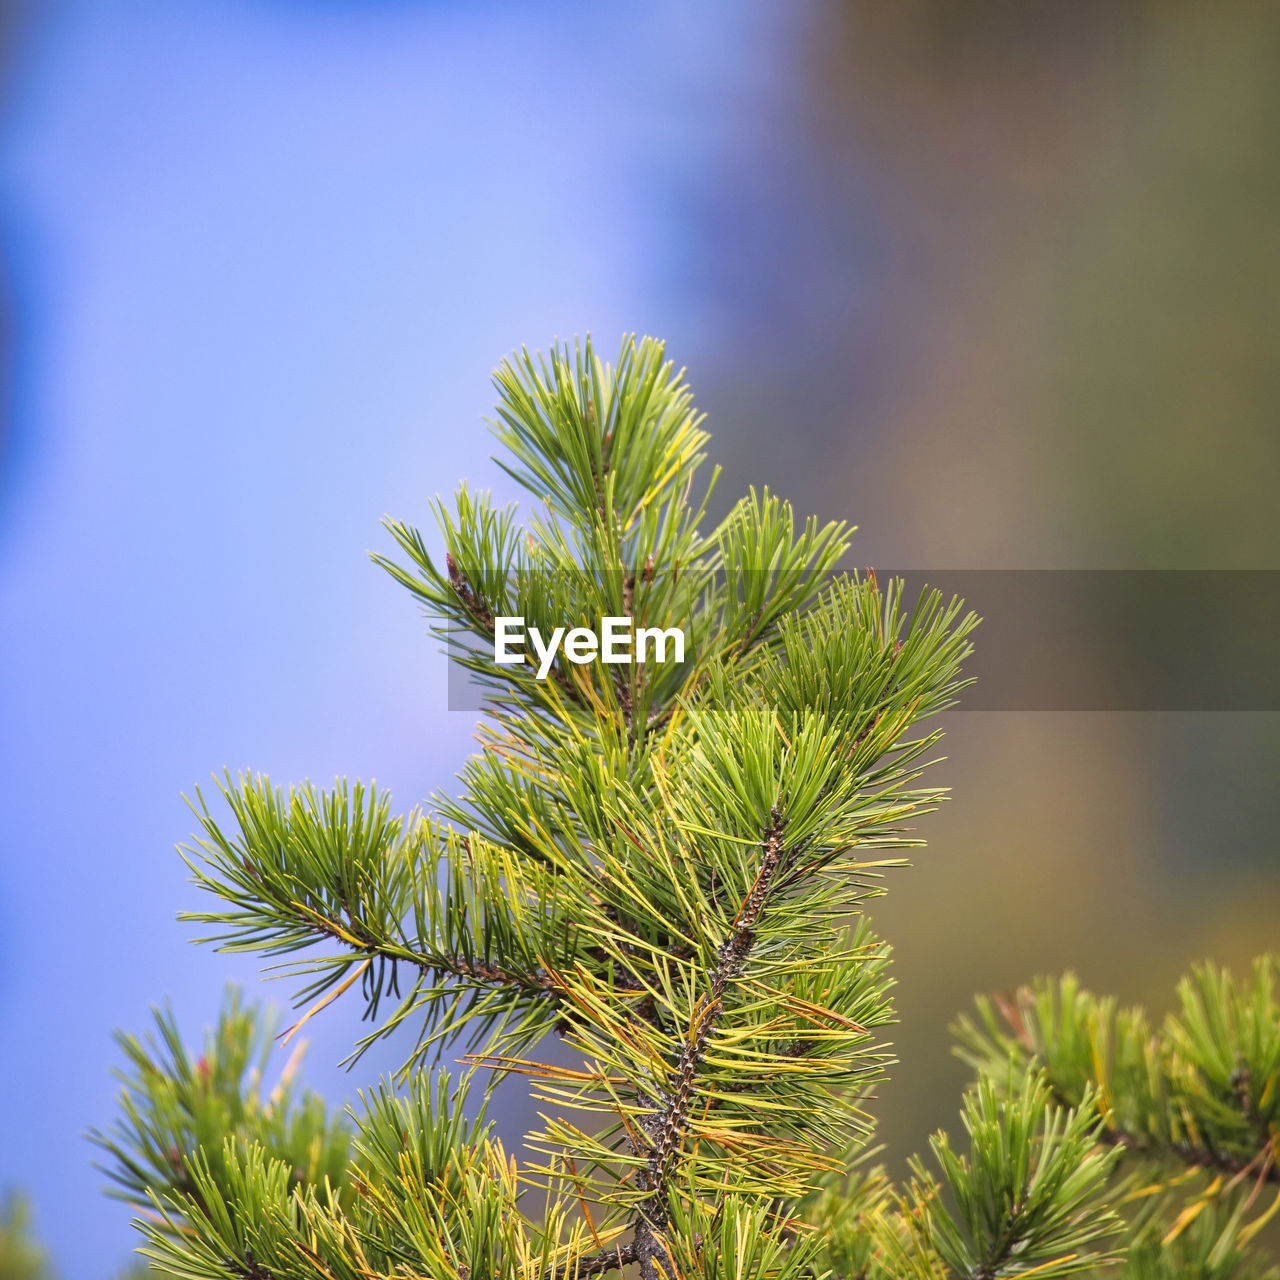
<point>1198,1157</point>
<point>595,1265</point>
<point>483,619</point>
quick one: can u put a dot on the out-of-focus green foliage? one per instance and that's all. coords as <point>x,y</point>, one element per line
<point>21,1258</point>
<point>1191,1107</point>
<point>174,1106</point>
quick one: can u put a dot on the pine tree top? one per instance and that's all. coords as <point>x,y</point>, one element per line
<point>663,863</point>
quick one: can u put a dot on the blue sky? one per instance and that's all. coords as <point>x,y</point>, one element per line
<point>263,258</point>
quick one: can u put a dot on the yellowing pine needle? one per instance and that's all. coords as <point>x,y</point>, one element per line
<point>1191,1212</point>
<point>1258,1223</point>
<point>329,925</point>
<point>286,1036</point>
<point>538,1070</point>
<point>1044,1266</point>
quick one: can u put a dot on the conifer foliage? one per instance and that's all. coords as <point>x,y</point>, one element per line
<point>665,866</point>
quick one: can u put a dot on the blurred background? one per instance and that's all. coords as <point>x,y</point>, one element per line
<point>998,281</point>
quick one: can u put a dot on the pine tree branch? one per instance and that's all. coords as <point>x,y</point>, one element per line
<point>536,983</point>
<point>645,963</point>
<point>1067,1031</point>
<point>667,1126</point>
